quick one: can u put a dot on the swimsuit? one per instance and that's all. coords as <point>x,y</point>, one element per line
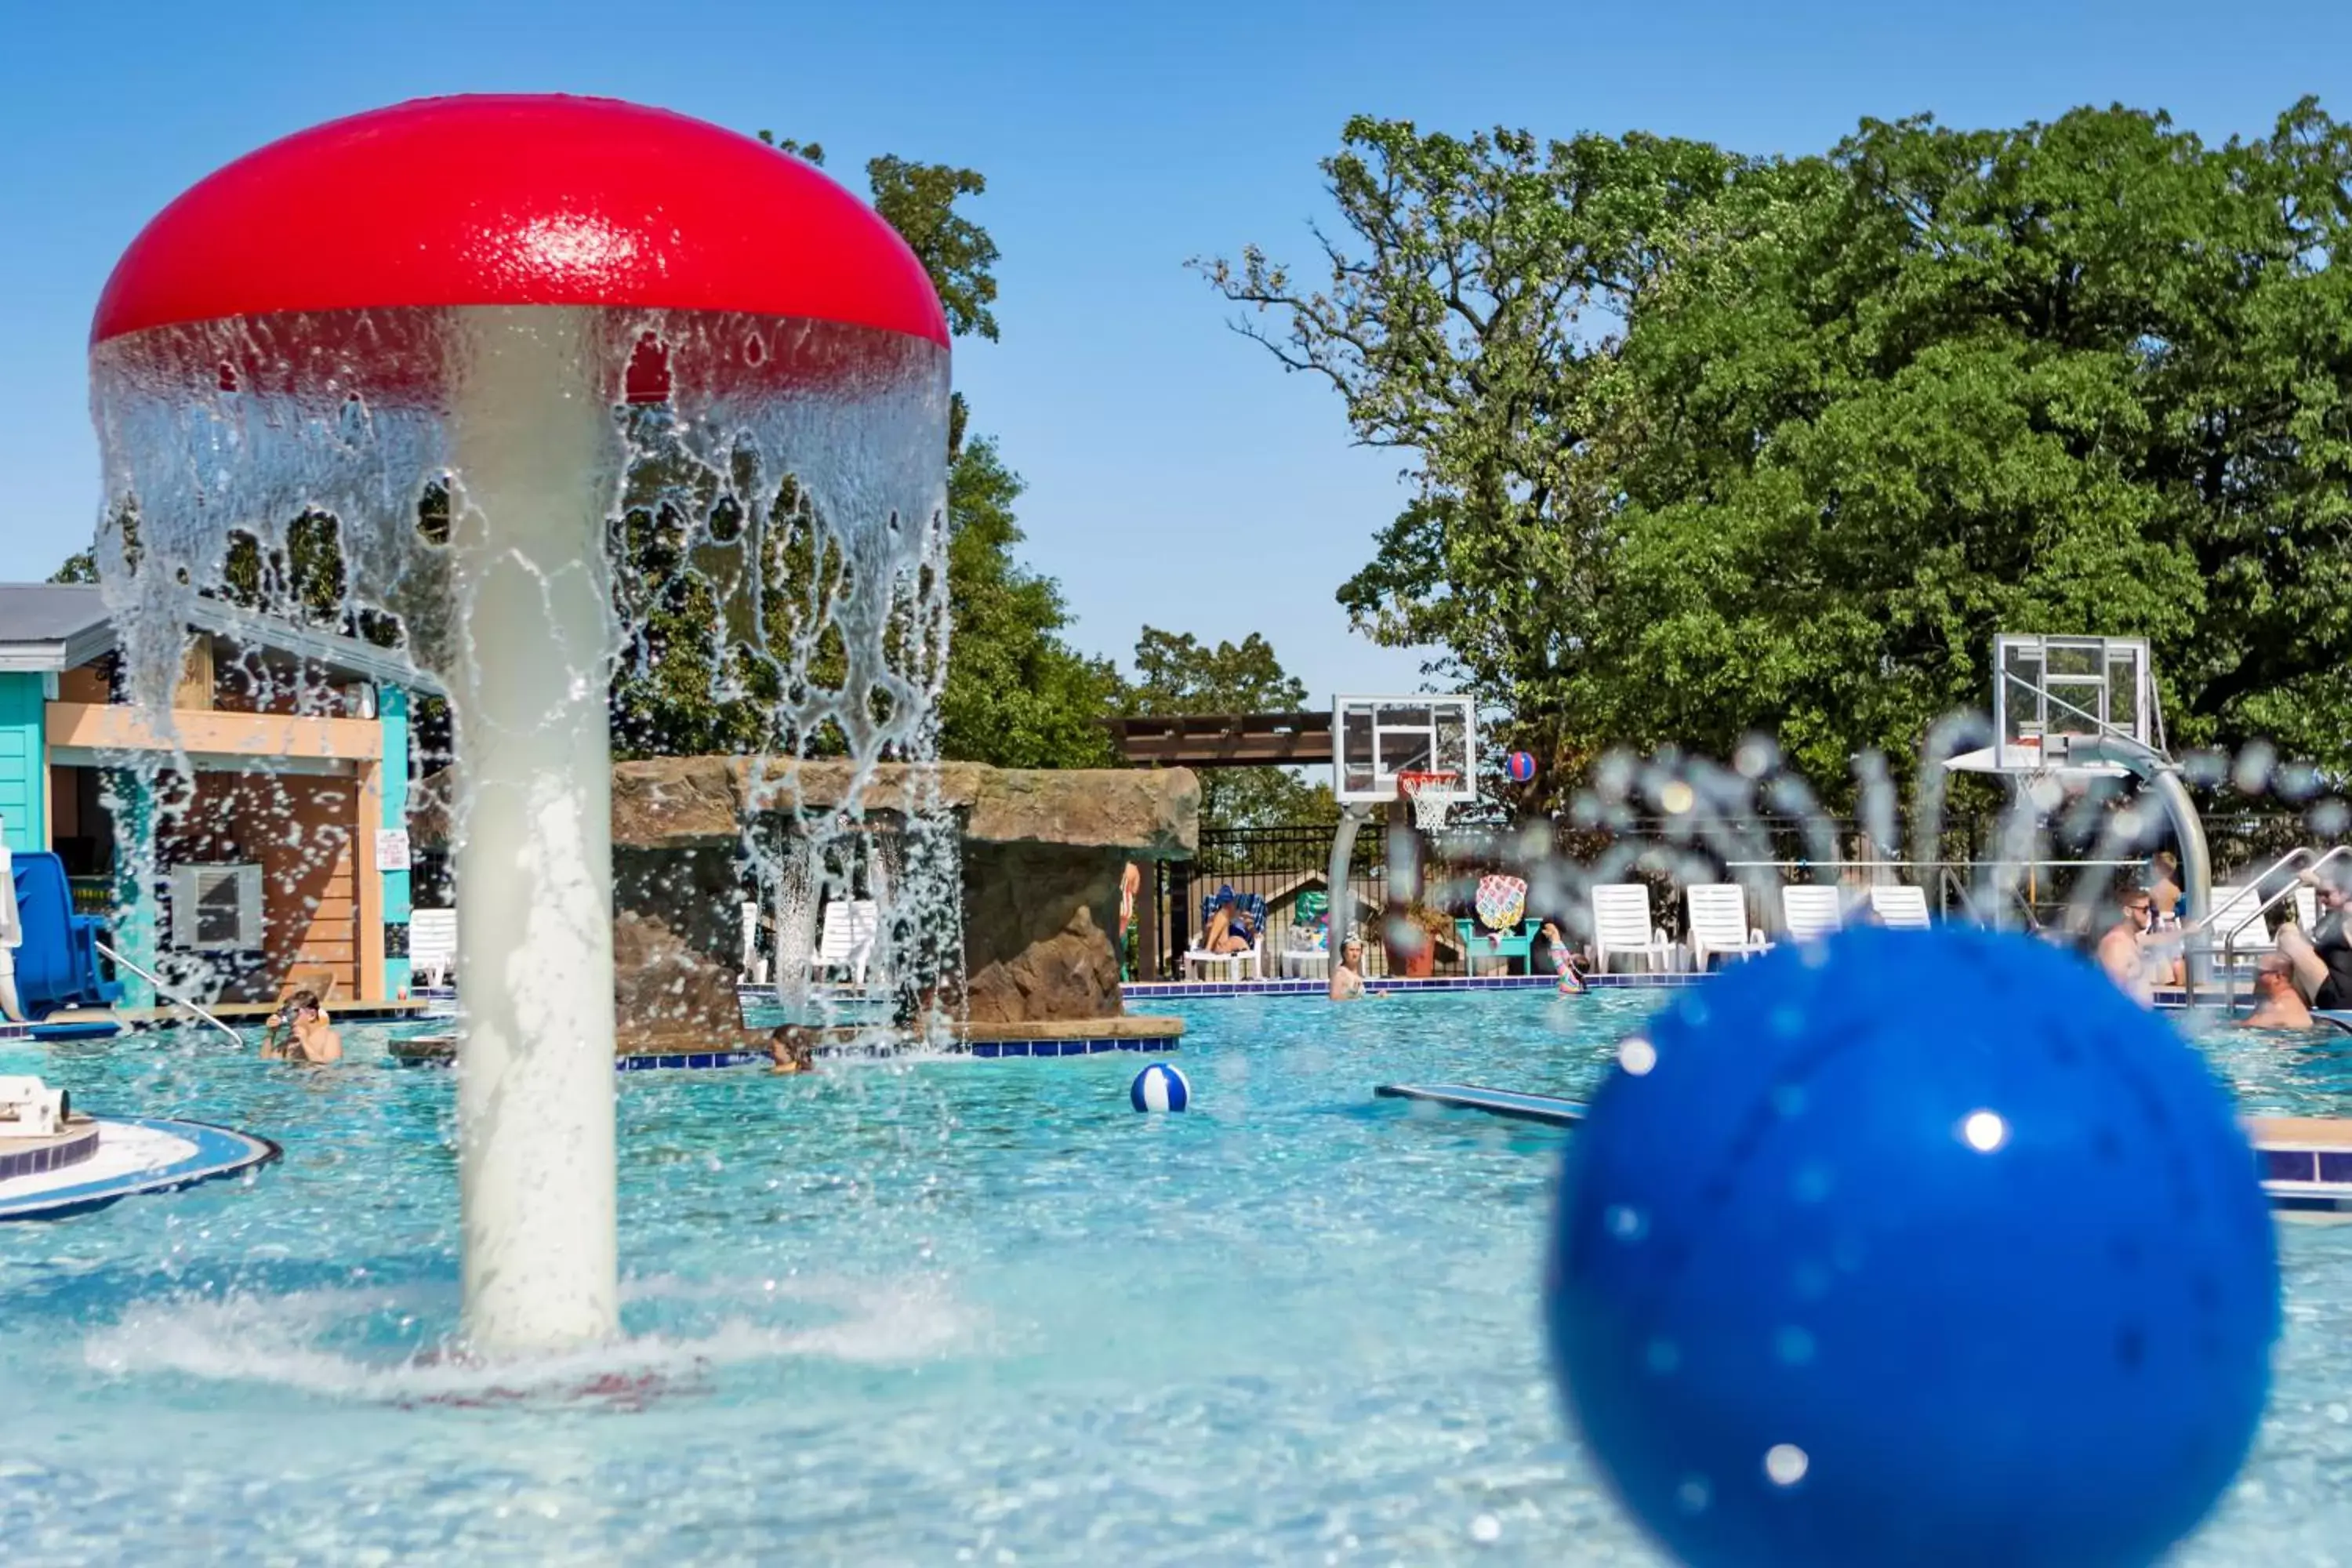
<point>2333,943</point>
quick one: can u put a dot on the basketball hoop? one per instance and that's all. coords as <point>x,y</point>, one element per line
<point>1431,796</point>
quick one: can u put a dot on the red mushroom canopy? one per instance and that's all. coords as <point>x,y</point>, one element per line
<point>519,200</point>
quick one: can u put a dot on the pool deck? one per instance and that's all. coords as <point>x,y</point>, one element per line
<point>2306,1161</point>
<point>1027,1039</point>
<point>127,1156</point>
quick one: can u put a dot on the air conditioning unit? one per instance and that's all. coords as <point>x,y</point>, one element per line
<point>30,1109</point>
<point>217,908</point>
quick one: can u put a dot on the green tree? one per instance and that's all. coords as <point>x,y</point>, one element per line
<point>1016,695</point>
<point>1176,673</point>
<point>79,567</point>
<point>1706,444</point>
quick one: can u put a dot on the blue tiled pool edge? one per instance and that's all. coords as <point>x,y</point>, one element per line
<point>219,1151</point>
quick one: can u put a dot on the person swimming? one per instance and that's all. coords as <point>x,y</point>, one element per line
<point>791,1049</point>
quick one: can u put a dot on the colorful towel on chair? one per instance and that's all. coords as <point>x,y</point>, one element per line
<point>1502,902</point>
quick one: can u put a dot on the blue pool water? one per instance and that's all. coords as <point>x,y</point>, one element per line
<point>941,1311</point>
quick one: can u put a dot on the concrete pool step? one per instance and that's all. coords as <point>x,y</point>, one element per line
<point>129,1156</point>
<point>2306,1161</point>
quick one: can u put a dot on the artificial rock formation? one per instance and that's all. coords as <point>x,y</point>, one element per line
<point>1042,852</point>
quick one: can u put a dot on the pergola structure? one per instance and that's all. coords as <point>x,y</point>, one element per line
<point>1210,740</point>
<point>1223,739</point>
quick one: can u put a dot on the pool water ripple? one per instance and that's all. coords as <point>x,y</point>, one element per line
<point>946,1311</point>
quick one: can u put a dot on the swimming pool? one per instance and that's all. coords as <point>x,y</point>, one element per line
<point>938,1311</point>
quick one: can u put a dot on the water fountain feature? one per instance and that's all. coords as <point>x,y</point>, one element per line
<point>473,292</point>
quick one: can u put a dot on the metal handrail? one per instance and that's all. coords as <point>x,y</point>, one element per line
<point>2229,938</point>
<point>165,991</point>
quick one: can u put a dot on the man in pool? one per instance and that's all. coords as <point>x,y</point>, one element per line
<point>2277,1003</point>
<point>2123,951</point>
<point>2321,963</point>
<point>309,1037</point>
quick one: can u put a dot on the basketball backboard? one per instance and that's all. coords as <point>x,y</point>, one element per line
<point>2047,691</point>
<point>1373,738</point>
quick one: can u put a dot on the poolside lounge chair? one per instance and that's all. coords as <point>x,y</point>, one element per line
<point>1498,946</point>
<point>845,942</point>
<point>1718,923</point>
<point>1899,906</point>
<point>1621,928</point>
<point>1247,906</point>
<point>431,946</point>
<point>754,971</point>
<point>1813,912</point>
<point>2247,935</point>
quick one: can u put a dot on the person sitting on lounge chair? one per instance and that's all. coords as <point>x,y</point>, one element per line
<point>2277,1003</point>
<point>1229,927</point>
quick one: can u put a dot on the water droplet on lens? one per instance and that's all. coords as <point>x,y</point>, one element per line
<point>1625,1223</point>
<point>1786,1463</point>
<point>1984,1131</point>
<point>1793,1345</point>
<point>1693,1495</point>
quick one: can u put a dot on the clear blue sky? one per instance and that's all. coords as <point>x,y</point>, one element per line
<point>1176,475</point>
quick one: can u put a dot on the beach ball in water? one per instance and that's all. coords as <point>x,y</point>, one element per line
<point>1913,1247</point>
<point>1159,1088</point>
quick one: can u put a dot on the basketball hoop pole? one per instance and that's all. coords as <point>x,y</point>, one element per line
<point>1352,817</point>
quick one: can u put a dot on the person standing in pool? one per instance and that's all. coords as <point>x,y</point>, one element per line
<point>1348,974</point>
<point>792,1049</point>
<point>309,1037</point>
<point>2277,1003</point>
<point>2321,963</point>
<point>2122,951</point>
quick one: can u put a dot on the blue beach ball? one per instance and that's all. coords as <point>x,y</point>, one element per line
<point>1159,1088</point>
<point>1920,1248</point>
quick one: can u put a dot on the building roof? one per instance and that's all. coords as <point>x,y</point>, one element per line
<point>50,626</point>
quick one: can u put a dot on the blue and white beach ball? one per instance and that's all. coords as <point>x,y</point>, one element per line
<point>1159,1088</point>
<point>1920,1247</point>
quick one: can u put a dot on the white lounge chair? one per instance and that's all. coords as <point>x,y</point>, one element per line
<point>1251,959</point>
<point>431,946</point>
<point>1719,924</point>
<point>1621,928</point>
<point>1813,912</point>
<point>846,942</point>
<point>2247,934</point>
<point>1899,906</point>
<point>754,969</point>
